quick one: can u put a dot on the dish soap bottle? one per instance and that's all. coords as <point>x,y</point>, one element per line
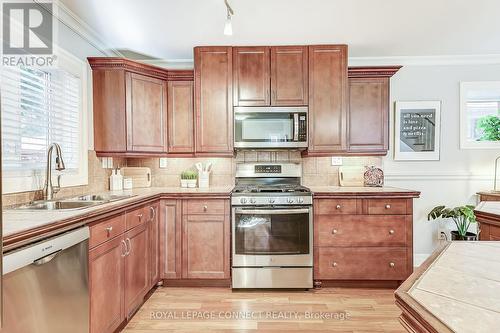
<point>116,180</point>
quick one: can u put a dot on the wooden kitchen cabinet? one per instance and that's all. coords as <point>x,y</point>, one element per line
<point>154,244</point>
<point>180,117</point>
<point>270,76</point>
<point>106,286</point>
<point>251,76</point>
<point>289,76</point>
<point>195,235</point>
<point>146,103</point>
<point>213,87</point>
<point>368,114</point>
<point>328,98</point>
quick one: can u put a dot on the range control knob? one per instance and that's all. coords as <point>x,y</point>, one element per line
<point>290,200</point>
<point>271,200</point>
<point>300,200</point>
<point>252,201</point>
<point>243,200</point>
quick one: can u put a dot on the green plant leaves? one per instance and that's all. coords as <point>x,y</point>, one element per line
<point>462,216</point>
<point>490,128</point>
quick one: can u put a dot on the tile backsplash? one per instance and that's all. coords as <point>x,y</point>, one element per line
<point>317,171</point>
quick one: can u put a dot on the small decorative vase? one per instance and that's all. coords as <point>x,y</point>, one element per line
<point>191,183</point>
<point>374,177</point>
<point>184,183</point>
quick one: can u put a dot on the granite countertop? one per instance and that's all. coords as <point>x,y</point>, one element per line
<point>460,287</point>
<point>489,207</point>
<point>18,221</point>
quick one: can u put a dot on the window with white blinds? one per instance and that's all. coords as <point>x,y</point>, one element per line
<point>39,107</point>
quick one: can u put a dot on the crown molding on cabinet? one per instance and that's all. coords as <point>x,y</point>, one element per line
<point>140,68</point>
<point>373,71</point>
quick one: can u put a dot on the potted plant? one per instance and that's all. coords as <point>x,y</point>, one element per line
<point>463,216</point>
<point>188,178</point>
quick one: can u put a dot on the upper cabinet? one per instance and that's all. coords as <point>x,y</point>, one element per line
<point>368,115</point>
<point>264,76</point>
<point>180,117</point>
<point>213,87</point>
<point>328,98</point>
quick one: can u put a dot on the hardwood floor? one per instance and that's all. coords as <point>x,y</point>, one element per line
<point>222,310</point>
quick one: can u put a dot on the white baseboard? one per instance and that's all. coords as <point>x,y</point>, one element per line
<point>419,258</point>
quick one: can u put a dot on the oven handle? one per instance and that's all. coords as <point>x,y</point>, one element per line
<point>272,211</point>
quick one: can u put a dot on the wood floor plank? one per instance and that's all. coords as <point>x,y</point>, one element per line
<point>180,310</point>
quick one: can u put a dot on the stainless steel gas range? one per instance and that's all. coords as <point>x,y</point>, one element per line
<point>272,231</point>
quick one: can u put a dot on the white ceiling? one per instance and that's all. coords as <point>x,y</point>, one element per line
<point>169,29</point>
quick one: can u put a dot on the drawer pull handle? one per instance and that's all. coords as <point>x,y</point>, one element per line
<point>334,231</point>
<point>139,216</point>
<point>387,206</point>
<point>205,208</point>
<point>124,248</point>
<point>391,265</point>
<point>338,206</point>
<point>334,264</point>
<point>391,232</point>
<point>108,230</point>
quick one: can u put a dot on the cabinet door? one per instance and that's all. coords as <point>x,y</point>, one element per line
<point>251,77</point>
<point>106,285</point>
<point>368,115</point>
<point>327,99</point>
<point>180,117</point>
<point>154,244</point>
<point>146,113</point>
<point>213,100</point>
<point>136,268</point>
<point>205,245</point>
<point>289,84</point>
<point>170,239</point>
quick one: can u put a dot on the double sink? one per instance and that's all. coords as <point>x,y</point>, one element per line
<point>79,202</point>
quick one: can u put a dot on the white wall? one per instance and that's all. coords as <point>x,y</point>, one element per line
<point>459,174</point>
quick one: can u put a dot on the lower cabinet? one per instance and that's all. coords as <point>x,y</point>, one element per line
<point>363,239</point>
<point>123,265</point>
<point>195,237</point>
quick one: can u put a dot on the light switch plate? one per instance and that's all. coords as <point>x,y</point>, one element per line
<point>163,162</point>
<point>336,160</point>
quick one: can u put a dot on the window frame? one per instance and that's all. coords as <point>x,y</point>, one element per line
<point>12,183</point>
<point>464,88</point>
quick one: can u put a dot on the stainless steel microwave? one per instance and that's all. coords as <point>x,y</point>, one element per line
<point>270,127</point>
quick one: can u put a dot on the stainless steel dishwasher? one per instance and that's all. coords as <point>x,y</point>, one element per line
<point>45,286</point>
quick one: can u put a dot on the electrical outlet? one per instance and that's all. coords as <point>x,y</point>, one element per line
<point>442,234</point>
<point>336,160</point>
<point>163,162</point>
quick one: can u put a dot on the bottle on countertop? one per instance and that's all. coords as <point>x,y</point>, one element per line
<point>116,180</point>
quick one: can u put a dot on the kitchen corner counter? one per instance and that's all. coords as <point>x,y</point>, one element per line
<point>363,192</point>
<point>455,290</point>
<point>490,210</point>
<point>21,225</point>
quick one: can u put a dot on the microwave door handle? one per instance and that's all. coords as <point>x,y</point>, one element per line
<point>271,211</point>
<point>295,127</point>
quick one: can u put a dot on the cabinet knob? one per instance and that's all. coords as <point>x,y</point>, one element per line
<point>387,206</point>
<point>205,208</point>
<point>391,232</point>
<point>338,206</point>
<point>334,264</point>
<point>108,230</point>
<point>391,265</point>
<point>334,231</point>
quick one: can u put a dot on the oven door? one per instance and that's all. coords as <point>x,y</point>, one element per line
<point>272,236</point>
<point>270,127</point>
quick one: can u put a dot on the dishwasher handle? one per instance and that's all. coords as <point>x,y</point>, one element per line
<point>43,251</point>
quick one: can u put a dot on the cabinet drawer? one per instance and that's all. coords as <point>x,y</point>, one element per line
<point>136,217</point>
<point>205,206</point>
<point>335,206</point>
<point>360,230</point>
<point>106,230</point>
<point>360,263</point>
<point>387,206</point>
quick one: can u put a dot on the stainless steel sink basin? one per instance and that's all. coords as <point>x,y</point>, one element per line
<point>58,205</point>
<point>80,202</point>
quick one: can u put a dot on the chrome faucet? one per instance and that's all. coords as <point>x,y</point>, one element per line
<point>496,172</point>
<point>49,190</point>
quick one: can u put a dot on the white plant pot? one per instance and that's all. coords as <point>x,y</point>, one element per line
<point>184,182</point>
<point>191,183</point>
